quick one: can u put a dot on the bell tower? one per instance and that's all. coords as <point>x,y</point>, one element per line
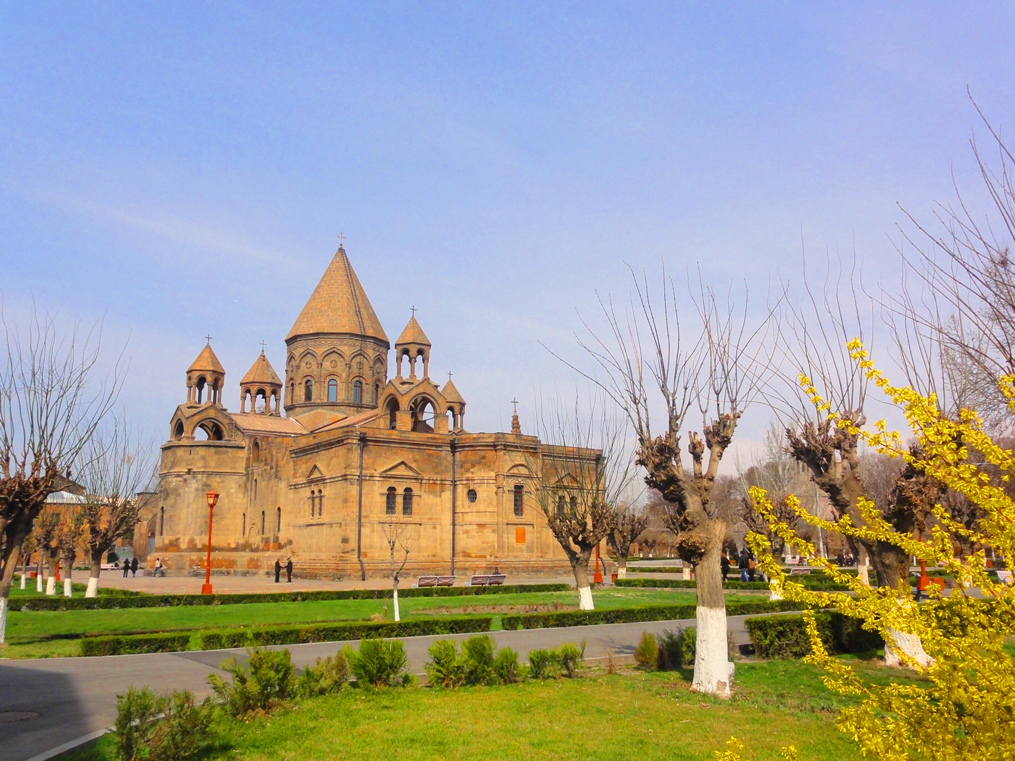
<point>205,378</point>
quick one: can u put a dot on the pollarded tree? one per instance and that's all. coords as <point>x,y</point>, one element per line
<point>68,536</point>
<point>120,464</point>
<point>629,523</point>
<point>47,527</point>
<point>51,400</point>
<point>654,373</point>
<point>585,474</point>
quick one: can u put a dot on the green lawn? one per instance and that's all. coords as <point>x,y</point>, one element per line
<point>36,634</point>
<point>641,717</point>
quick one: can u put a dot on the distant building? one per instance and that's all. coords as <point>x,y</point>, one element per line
<point>356,454</point>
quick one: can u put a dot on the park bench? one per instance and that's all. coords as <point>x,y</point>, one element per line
<point>799,571</point>
<point>1004,577</point>
<point>489,580</point>
<point>435,581</point>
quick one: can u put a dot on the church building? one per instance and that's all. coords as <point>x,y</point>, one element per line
<point>328,464</point>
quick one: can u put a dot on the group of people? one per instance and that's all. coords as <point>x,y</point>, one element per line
<point>129,566</point>
<point>746,563</point>
<point>845,558</point>
<point>288,569</point>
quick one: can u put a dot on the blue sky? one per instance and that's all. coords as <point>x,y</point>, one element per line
<point>184,168</point>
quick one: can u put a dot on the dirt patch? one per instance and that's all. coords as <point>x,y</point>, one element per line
<point>501,609</point>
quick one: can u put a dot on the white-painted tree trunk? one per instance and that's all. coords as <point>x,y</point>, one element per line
<point>863,570</point>
<point>395,598</point>
<point>585,598</point>
<point>51,585</point>
<point>621,571</point>
<point>68,590</point>
<point>24,575</point>
<point>38,581</point>
<point>908,644</point>
<point>713,670</point>
<point>93,587</point>
<point>774,596</point>
<point>3,620</point>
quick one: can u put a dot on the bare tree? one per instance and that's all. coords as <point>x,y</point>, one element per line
<point>120,463</point>
<point>585,473</point>
<point>47,527</point>
<point>399,548</point>
<point>648,361</point>
<point>629,523</point>
<point>28,548</point>
<point>51,400</point>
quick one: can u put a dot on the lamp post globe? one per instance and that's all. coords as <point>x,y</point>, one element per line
<point>213,498</point>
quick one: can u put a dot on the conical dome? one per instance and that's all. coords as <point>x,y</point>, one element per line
<point>261,372</point>
<point>338,305</point>
<point>450,393</point>
<point>413,334</point>
<point>206,362</point>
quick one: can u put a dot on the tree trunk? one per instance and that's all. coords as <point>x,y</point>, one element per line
<point>51,575</point>
<point>3,619</point>
<point>904,643</point>
<point>394,588</point>
<point>38,576</point>
<point>713,671</point>
<point>24,570</point>
<point>580,566</point>
<point>892,567</point>
<point>95,567</point>
<point>621,567</point>
<point>863,569</point>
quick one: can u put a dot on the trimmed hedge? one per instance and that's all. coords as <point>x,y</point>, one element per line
<point>136,600</point>
<point>814,582</point>
<point>634,615</point>
<point>142,643</point>
<point>297,635</point>
<point>786,636</point>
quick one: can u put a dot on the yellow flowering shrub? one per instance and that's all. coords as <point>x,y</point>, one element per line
<point>964,708</point>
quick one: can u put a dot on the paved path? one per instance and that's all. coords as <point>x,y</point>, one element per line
<point>76,697</point>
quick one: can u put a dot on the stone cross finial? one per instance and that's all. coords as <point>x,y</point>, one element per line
<point>449,376</point>
<point>514,403</point>
<point>341,240</point>
<point>262,347</point>
<point>207,338</point>
<point>413,308</point>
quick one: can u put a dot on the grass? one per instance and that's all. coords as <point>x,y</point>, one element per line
<point>642,717</point>
<point>41,634</point>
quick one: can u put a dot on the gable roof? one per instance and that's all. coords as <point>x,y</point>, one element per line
<point>338,305</point>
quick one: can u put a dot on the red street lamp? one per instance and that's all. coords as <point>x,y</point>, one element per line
<point>213,498</point>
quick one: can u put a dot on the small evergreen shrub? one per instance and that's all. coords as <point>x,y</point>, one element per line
<point>572,658</point>
<point>544,664</point>
<point>786,636</point>
<point>160,727</point>
<point>647,655</point>
<point>477,655</point>
<point>676,648</point>
<point>324,677</point>
<point>506,667</point>
<point>267,681</point>
<point>141,643</point>
<point>445,668</point>
<point>378,663</point>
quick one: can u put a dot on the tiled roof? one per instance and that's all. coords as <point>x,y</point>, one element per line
<point>261,372</point>
<point>450,393</point>
<point>250,423</point>
<point>413,334</point>
<point>338,305</point>
<point>207,362</point>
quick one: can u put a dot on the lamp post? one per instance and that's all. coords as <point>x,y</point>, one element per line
<point>213,498</point>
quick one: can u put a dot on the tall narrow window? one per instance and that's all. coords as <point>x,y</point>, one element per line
<point>320,503</point>
<point>262,523</point>
<point>407,502</point>
<point>519,500</point>
<point>313,503</point>
<point>308,390</point>
<point>332,390</point>
<point>560,504</point>
<point>162,521</point>
<point>244,525</point>
<point>389,501</point>
<point>278,520</point>
<point>357,392</point>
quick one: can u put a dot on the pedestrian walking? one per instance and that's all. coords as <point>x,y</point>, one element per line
<point>133,568</point>
<point>278,569</point>
<point>289,571</point>
<point>158,568</point>
<point>742,564</point>
<point>752,566</point>
<point>126,567</point>
<point>724,563</point>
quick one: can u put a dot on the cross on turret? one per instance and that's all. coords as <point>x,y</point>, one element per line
<point>208,338</point>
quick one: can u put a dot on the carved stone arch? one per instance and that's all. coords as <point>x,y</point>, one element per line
<point>177,430</point>
<point>212,428</point>
<point>311,356</point>
<point>334,362</point>
<point>422,420</point>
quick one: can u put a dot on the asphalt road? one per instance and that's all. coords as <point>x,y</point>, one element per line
<point>47,704</point>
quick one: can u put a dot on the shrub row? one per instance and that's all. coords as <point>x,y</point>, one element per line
<point>296,635</point>
<point>634,615</point>
<point>786,636</point>
<point>140,643</point>
<point>816,582</point>
<point>135,600</point>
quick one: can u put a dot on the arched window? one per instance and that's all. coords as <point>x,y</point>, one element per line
<point>255,453</point>
<point>560,504</point>
<point>574,503</point>
<point>332,390</point>
<point>377,392</point>
<point>519,500</point>
<point>262,523</point>
<point>278,520</point>
<point>244,529</point>
<point>200,388</point>
<point>407,502</point>
<point>292,393</point>
<point>357,392</point>
<point>178,431</point>
<point>389,501</point>
<point>392,407</point>
<point>162,520</point>
<point>320,503</point>
<point>255,489</point>
<point>308,390</point>
<point>260,403</point>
